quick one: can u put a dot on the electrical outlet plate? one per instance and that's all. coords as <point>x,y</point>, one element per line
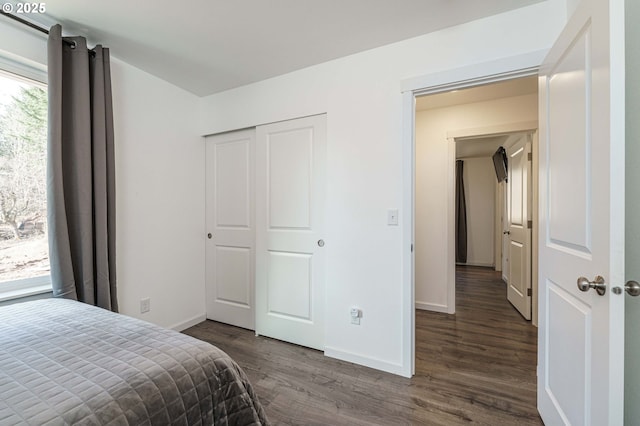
<point>356,314</point>
<point>145,305</point>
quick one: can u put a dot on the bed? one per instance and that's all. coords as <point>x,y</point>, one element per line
<point>64,362</point>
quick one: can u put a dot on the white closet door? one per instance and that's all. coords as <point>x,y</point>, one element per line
<point>290,164</point>
<point>230,228</point>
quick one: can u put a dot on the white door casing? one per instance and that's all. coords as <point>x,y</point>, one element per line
<point>504,188</point>
<point>497,227</point>
<point>581,334</point>
<point>230,216</point>
<point>290,159</point>
<point>519,225</point>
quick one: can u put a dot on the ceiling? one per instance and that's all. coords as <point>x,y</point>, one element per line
<point>208,46</point>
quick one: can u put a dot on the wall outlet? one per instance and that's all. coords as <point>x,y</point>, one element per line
<point>145,305</point>
<point>356,314</point>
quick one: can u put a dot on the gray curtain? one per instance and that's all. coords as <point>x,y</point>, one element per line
<point>80,172</point>
<point>461,216</point>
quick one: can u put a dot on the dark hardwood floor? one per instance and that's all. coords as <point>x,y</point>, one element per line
<point>477,366</point>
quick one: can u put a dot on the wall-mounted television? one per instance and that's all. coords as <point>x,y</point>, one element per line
<point>500,164</point>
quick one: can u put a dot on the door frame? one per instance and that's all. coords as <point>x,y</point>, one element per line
<point>459,78</point>
<point>530,128</point>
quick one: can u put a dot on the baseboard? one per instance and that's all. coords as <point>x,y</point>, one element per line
<point>188,323</point>
<point>432,307</point>
<point>482,265</point>
<point>365,361</point>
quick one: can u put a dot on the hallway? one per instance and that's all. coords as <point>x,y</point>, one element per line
<point>485,354</point>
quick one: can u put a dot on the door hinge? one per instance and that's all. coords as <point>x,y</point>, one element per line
<point>529,224</point>
<point>530,156</point>
<point>528,292</point>
<point>411,248</point>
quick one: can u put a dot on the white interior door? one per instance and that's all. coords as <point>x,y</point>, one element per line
<point>581,334</point>
<point>290,159</point>
<point>519,226</point>
<point>230,228</point>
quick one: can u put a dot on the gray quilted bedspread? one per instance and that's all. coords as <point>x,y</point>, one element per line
<point>67,363</point>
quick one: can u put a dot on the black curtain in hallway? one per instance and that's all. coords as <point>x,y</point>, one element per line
<point>461,216</point>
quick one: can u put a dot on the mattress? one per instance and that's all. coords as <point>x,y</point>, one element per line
<point>67,363</point>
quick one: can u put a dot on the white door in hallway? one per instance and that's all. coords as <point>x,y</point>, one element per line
<point>290,162</point>
<point>519,226</point>
<point>230,228</point>
<point>582,121</point>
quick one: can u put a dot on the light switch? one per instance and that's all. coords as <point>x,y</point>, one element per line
<point>392,217</point>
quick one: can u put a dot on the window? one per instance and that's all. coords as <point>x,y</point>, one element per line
<point>24,251</point>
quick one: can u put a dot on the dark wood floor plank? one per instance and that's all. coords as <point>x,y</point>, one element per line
<point>477,366</point>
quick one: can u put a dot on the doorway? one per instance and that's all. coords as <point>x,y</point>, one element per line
<point>476,120</point>
<point>483,196</point>
<point>472,76</point>
<point>577,326</point>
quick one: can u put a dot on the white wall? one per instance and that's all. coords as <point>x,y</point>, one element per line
<point>361,95</point>
<point>160,198</point>
<point>160,185</point>
<point>632,248</point>
<point>432,163</point>
<point>479,187</point>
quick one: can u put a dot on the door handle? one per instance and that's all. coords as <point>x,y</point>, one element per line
<point>598,284</point>
<point>631,287</point>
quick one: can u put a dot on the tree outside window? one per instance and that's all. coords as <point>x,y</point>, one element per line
<point>23,202</point>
